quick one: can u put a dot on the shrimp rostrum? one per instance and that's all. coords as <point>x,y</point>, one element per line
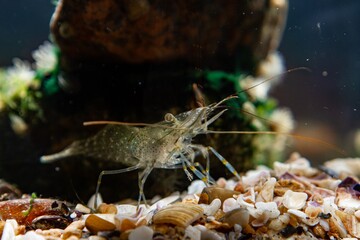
<point>167,144</point>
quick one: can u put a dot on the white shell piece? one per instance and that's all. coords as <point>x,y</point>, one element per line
<point>279,223</point>
<point>190,198</point>
<point>9,229</point>
<point>31,235</point>
<point>230,204</point>
<point>93,237</point>
<point>278,200</point>
<point>211,209</point>
<point>329,205</point>
<point>240,200</point>
<point>294,200</point>
<point>131,213</point>
<point>196,187</point>
<point>300,166</point>
<point>221,182</point>
<point>230,184</point>
<point>209,234</point>
<point>91,201</point>
<point>297,213</point>
<point>267,192</point>
<point>270,207</point>
<point>357,214</point>
<point>164,202</point>
<point>325,224</point>
<point>252,178</point>
<point>263,212</point>
<point>344,199</point>
<point>192,233</point>
<point>330,184</point>
<point>310,221</point>
<point>261,220</point>
<point>143,233</point>
<point>125,210</point>
<point>83,209</point>
<point>344,165</point>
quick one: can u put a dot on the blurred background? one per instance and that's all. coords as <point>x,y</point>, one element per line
<point>322,35</point>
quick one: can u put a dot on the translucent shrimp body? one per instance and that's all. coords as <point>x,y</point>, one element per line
<point>167,144</point>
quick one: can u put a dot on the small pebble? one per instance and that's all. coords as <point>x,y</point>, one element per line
<point>81,208</point>
<point>239,216</point>
<point>107,208</point>
<point>143,233</point>
<point>74,229</point>
<point>95,223</point>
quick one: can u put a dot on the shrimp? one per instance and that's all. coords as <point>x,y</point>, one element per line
<point>167,144</point>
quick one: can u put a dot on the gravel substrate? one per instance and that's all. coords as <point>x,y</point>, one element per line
<point>292,200</point>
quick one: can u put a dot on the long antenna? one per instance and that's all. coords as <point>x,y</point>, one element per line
<point>309,139</point>
<point>234,95</point>
<point>90,123</point>
<point>274,77</point>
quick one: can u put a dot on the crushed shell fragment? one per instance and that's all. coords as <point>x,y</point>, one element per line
<point>294,200</point>
<point>179,214</point>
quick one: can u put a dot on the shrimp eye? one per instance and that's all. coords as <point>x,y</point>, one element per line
<point>169,117</point>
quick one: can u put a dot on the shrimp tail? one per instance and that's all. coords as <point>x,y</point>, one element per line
<point>86,147</point>
<point>105,145</point>
<point>56,156</point>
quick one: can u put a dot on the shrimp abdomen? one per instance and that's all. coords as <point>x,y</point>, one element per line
<point>111,144</point>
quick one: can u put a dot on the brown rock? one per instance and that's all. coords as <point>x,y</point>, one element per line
<point>24,211</point>
<point>157,31</point>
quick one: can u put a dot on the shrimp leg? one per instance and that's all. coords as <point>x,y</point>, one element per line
<point>210,179</point>
<point>205,153</point>
<point>188,174</point>
<point>193,169</point>
<point>143,175</point>
<point>225,162</point>
<point>110,172</point>
<point>203,175</point>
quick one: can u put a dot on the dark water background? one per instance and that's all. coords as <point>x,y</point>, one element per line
<point>323,35</point>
